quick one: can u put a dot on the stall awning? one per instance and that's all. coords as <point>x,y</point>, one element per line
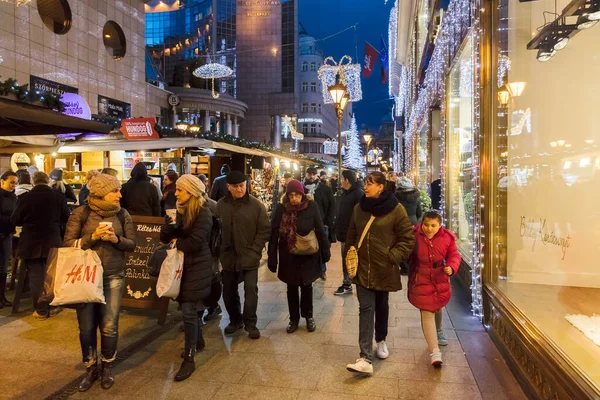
<point>84,146</point>
<point>17,118</point>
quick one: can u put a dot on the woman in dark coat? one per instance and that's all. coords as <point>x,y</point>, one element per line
<point>388,242</point>
<point>168,200</point>
<point>410,197</point>
<point>58,184</point>
<point>297,215</point>
<point>192,231</point>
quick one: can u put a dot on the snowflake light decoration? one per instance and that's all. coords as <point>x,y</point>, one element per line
<point>213,71</point>
<point>349,73</point>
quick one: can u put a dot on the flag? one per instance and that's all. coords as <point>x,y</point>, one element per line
<point>370,58</point>
<point>383,56</point>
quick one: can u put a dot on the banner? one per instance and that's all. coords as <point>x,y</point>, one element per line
<point>139,129</point>
<point>113,108</point>
<point>383,55</point>
<point>370,58</point>
<point>45,85</point>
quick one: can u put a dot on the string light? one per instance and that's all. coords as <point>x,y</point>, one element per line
<point>461,19</point>
<point>213,71</point>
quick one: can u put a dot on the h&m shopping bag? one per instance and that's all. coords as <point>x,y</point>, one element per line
<point>171,270</point>
<point>78,276</point>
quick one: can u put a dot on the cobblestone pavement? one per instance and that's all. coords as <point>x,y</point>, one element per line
<point>43,357</point>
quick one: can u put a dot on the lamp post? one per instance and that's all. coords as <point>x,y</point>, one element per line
<point>340,99</point>
<point>367,138</point>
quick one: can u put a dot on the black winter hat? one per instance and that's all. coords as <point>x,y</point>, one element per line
<point>235,177</point>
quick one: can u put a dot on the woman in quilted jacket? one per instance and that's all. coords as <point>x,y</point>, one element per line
<point>434,260</point>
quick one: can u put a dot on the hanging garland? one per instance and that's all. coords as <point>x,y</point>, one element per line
<point>49,100</point>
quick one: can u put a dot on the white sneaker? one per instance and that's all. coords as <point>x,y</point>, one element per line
<point>442,341</point>
<point>382,350</point>
<point>362,366</point>
<point>436,358</point>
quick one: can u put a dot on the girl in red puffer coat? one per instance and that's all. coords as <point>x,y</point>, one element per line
<point>434,260</point>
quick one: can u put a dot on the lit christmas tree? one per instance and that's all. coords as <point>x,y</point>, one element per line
<point>353,157</point>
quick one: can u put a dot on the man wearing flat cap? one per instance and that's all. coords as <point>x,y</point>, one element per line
<point>245,231</point>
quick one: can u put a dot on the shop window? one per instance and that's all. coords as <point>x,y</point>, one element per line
<point>313,108</point>
<point>423,153</point>
<point>305,86</point>
<point>56,15</point>
<point>304,107</point>
<point>459,151</point>
<point>313,66</point>
<point>546,182</point>
<point>304,66</point>
<point>313,87</point>
<point>114,40</point>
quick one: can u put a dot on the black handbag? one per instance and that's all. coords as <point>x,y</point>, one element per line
<point>157,258</point>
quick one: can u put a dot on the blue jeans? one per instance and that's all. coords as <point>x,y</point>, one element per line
<point>192,325</point>
<point>94,316</point>
<point>6,249</point>
<point>323,265</point>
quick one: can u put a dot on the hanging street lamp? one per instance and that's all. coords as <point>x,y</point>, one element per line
<point>340,99</point>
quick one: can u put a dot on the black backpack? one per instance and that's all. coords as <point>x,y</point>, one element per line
<point>215,236</point>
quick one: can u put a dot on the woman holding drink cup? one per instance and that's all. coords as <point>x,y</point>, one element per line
<point>106,228</point>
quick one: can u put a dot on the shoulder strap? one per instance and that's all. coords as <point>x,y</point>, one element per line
<point>85,214</point>
<point>362,237</point>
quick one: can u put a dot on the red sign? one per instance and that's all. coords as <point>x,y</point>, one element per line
<point>139,128</point>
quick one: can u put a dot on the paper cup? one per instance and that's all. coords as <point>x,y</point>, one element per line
<point>172,213</point>
<point>106,223</point>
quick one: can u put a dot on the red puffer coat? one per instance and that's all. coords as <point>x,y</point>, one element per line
<point>428,285</point>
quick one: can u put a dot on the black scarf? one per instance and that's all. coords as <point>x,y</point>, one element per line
<point>380,206</point>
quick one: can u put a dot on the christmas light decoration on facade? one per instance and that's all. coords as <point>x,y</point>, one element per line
<point>354,158</point>
<point>288,126</point>
<point>461,19</point>
<point>213,71</point>
<point>349,73</point>
<point>17,3</point>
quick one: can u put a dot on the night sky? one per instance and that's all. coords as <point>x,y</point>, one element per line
<point>322,18</point>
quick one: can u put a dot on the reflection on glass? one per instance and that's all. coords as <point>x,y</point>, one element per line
<point>422,156</point>
<point>546,180</point>
<point>460,207</point>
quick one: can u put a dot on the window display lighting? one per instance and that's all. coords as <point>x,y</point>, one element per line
<point>461,17</point>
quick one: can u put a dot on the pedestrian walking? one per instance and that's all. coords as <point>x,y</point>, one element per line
<point>318,191</point>
<point>298,217</point>
<point>110,243</point>
<point>434,260</point>
<point>246,229</point>
<point>333,182</point>
<point>8,203</point>
<point>58,184</point>
<point>41,213</point>
<point>410,197</point>
<point>213,309</point>
<point>139,195</point>
<point>388,241</point>
<point>219,185</point>
<point>191,231</point>
<point>351,195</point>
<point>85,190</point>
<point>168,200</point>
<point>23,182</point>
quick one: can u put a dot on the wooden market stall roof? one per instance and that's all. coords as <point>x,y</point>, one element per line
<point>18,119</point>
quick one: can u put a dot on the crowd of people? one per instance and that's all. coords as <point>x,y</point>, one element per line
<point>381,217</point>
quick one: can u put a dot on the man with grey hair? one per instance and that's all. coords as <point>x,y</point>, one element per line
<point>41,212</point>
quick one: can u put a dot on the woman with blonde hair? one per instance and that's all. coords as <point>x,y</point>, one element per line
<point>58,184</point>
<point>191,232</point>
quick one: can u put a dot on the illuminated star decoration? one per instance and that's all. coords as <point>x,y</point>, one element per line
<point>213,71</point>
<point>349,73</point>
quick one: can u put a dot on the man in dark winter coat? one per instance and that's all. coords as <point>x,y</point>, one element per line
<point>351,195</point>
<point>245,230</point>
<point>409,196</point>
<point>435,191</point>
<point>219,186</point>
<point>323,196</point>
<point>8,203</point>
<point>41,212</point>
<point>139,195</point>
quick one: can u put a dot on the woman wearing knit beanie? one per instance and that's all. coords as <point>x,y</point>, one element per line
<point>297,217</point>
<point>168,200</point>
<point>191,231</point>
<point>106,228</point>
<point>57,183</point>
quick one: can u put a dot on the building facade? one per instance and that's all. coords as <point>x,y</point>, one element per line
<point>317,121</point>
<point>519,158</point>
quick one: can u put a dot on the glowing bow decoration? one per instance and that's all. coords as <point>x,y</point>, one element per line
<point>213,71</point>
<point>349,74</point>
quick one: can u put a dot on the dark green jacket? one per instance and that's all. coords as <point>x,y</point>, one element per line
<point>245,230</point>
<point>389,242</point>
